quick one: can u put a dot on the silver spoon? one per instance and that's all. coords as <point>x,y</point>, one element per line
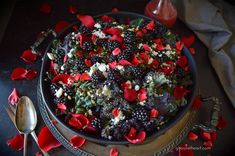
<point>25,118</point>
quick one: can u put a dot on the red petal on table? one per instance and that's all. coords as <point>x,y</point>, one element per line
<point>192,136</point>
<point>85,77</point>
<point>46,140</point>
<point>146,47</point>
<point>124,63</point>
<point>61,25</point>
<point>18,73</point>
<point>205,135</point>
<point>14,97</point>
<point>73,9</point>
<point>179,46</point>
<point>138,139</point>
<point>61,107</point>
<point>88,21</point>
<point>106,18</point>
<point>16,142</point>
<point>208,144</point>
<point>130,94</point>
<point>150,25</point>
<point>65,78</point>
<point>45,8</point>
<point>117,38</point>
<point>115,112</point>
<point>182,61</point>
<point>31,74</point>
<point>213,136</point>
<point>142,94</point>
<point>28,56</point>
<point>180,92</point>
<point>77,141</point>
<point>115,10</point>
<point>38,154</point>
<point>113,152</point>
<point>116,51</point>
<point>88,62</point>
<point>197,102</point>
<point>135,61</point>
<point>192,51</point>
<point>222,123</point>
<point>153,113</point>
<point>184,150</point>
<point>113,64</point>
<point>188,40</point>
<point>112,31</point>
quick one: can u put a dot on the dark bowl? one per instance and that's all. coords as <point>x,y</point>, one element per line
<point>47,98</point>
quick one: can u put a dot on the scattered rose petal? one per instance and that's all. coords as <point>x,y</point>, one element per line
<point>153,113</point>
<point>208,144</point>
<point>85,77</point>
<point>88,62</point>
<point>197,102</point>
<point>130,94</point>
<point>180,92</point>
<point>65,78</point>
<point>46,140</point>
<point>31,74</point>
<point>142,94</point>
<point>205,135</point>
<point>184,150</point>
<point>73,9</point>
<point>139,33</point>
<point>38,154</point>
<point>78,121</point>
<point>179,46</point>
<point>182,61</point>
<point>14,97</point>
<point>45,8</point>
<point>188,41</point>
<point>221,123</point>
<point>213,136</point>
<point>146,47</point>
<point>117,38</point>
<point>113,64</point>
<point>88,21</point>
<point>140,137</point>
<point>115,10</point>
<point>79,53</point>
<point>61,25</point>
<point>28,56</point>
<point>116,51</point>
<point>65,58</point>
<point>76,77</point>
<point>132,133</point>
<point>135,61</point>
<point>124,63</point>
<point>115,112</point>
<point>18,73</point>
<point>113,152</point>
<point>77,141</point>
<point>106,18</point>
<point>192,136</point>
<point>16,142</point>
<point>62,107</point>
<point>150,25</point>
<point>192,51</point>
<point>112,31</point>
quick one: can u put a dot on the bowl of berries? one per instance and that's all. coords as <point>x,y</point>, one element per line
<point>117,78</point>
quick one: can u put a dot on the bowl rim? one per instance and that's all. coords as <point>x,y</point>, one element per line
<point>171,123</point>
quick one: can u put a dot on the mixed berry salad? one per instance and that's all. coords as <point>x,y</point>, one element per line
<point>118,80</point>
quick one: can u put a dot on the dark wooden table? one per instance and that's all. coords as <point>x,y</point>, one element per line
<point>25,22</point>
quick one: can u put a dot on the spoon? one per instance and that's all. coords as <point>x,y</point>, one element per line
<point>25,118</point>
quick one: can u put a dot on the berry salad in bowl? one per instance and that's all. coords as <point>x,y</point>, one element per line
<point>116,81</point>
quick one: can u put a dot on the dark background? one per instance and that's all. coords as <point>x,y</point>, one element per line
<point>21,21</point>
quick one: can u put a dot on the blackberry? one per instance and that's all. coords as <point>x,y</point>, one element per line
<point>80,65</point>
<point>84,30</point>
<point>131,48</point>
<point>114,75</point>
<point>69,91</point>
<point>129,37</point>
<point>61,99</point>
<point>96,123</point>
<point>121,130</point>
<point>97,77</point>
<point>88,46</point>
<point>140,114</point>
<point>125,55</point>
<point>159,31</point>
<point>95,59</point>
<point>151,126</point>
<point>137,72</point>
<point>112,44</point>
<point>102,43</point>
<point>96,110</point>
<point>179,72</point>
<point>59,59</point>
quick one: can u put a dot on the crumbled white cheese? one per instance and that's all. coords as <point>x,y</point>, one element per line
<point>169,53</point>
<point>102,67</point>
<point>120,68</point>
<point>118,118</point>
<point>59,92</point>
<point>70,54</point>
<point>62,67</point>
<point>154,53</point>
<point>89,112</point>
<point>120,27</point>
<point>168,47</point>
<point>97,25</point>
<point>137,87</point>
<point>99,33</point>
<point>50,56</point>
<point>142,103</point>
<point>140,45</point>
<point>92,69</point>
<point>150,60</point>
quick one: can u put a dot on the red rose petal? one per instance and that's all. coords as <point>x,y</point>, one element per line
<point>79,121</point>
<point>130,94</point>
<point>155,63</point>
<point>113,152</point>
<point>179,46</point>
<point>45,8</point>
<point>205,135</point>
<point>192,136</point>
<point>106,18</point>
<point>160,47</point>
<point>116,51</point>
<point>28,56</point>
<point>113,64</point>
<point>182,61</point>
<point>18,73</point>
<point>61,25</point>
<point>46,140</point>
<point>14,97</point>
<point>31,74</point>
<point>132,133</point>
<point>16,142</point>
<point>188,41</point>
<point>65,58</point>
<point>74,122</point>
<point>139,33</point>
<point>117,38</point>
<point>124,63</point>
<point>77,141</point>
<point>192,51</point>
<point>138,139</point>
<point>115,10</point>
<point>85,77</point>
<point>146,47</point>
<point>38,154</point>
<point>184,150</point>
<point>222,123</point>
<point>76,77</point>
<point>61,107</point>
<point>135,61</point>
<point>82,38</point>
<point>213,136</point>
<point>88,21</point>
<point>88,62</point>
<point>112,31</point>
<point>197,102</point>
<point>52,68</point>
<point>73,9</point>
<point>150,25</point>
<point>144,56</point>
<point>65,78</point>
<point>208,144</point>
<point>115,112</point>
<point>153,113</point>
<point>180,92</point>
<point>79,53</point>
<point>142,94</point>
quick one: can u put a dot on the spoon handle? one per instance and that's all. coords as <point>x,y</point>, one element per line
<point>35,138</point>
<point>25,144</point>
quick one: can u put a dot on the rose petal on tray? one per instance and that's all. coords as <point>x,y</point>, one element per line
<point>188,40</point>
<point>184,150</point>
<point>140,137</point>
<point>180,92</point>
<point>112,31</point>
<point>61,25</point>
<point>87,20</point>
<point>85,77</point>
<point>77,141</point>
<point>46,140</point>
<point>31,74</point>
<point>14,97</point>
<point>78,121</point>
<point>73,9</point>
<point>18,73</point>
<point>65,78</point>
<point>28,56</point>
<point>45,8</point>
<point>113,152</point>
<point>16,142</point>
